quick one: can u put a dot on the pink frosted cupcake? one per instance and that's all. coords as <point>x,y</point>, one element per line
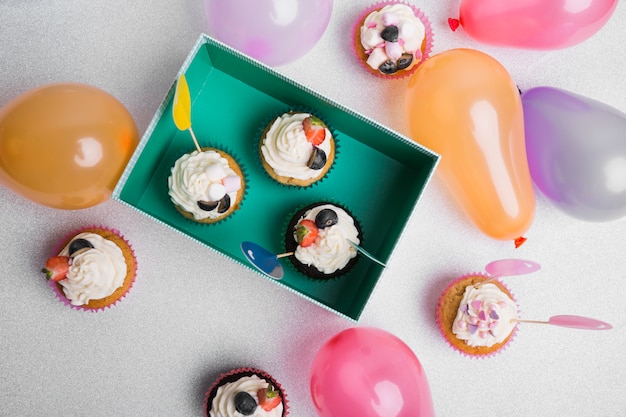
<point>245,392</point>
<point>390,39</point>
<point>92,269</point>
<point>476,319</point>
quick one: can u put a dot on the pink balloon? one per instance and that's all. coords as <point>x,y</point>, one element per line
<point>369,372</point>
<point>275,32</point>
<point>534,24</point>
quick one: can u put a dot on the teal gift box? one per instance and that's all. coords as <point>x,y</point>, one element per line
<point>379,175</point>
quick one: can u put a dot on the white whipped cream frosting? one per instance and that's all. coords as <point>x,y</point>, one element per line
<point>286,149</point>
<point>410,38</point>
<point>95,273</point>
<point>202,176</point>
<point>331,250</point>
<point>486,316</point>
<point>223,404</point>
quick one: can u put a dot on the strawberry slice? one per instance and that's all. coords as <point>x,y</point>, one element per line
<point>306,232</point>
<point>314,130</point>
<point>56,268</point>
<point>268,398</point>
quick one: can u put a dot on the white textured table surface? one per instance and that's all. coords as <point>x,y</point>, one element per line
<point>194,313</point>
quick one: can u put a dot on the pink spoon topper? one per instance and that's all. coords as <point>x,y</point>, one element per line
<point>511,267</point>
<point>578,322</point>
<point>574,322</point>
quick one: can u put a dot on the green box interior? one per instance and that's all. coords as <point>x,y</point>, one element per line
<point>378,174</point>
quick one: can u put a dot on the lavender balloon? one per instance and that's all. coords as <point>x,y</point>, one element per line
<point>276,32</point>
<point>576,149</point>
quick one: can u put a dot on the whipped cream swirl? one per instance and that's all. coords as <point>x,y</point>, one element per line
<point>202,176</point>
<point>331,250</point>
<point>286,149</point>
<point>486,316</point>
<point>223,404</point>
<point>95,273</point>
<point>411,33</point>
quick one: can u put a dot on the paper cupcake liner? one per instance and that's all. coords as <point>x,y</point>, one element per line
<point>293,262</point>
<point>295,109</point>
<point>440,326</point>
<point>361,56</point>
<point>234,375</point>
<point>57,289</point>
<point>246,186</point>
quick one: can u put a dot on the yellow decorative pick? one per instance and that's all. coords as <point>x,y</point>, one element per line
<point>181,108</point>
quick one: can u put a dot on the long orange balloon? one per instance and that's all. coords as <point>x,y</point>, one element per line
<point>65,145</point>
<point>463,104</point>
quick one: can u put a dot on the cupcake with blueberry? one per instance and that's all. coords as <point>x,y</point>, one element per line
<point>245,392</point>
<point>477,315</point>
<point>297,148</point>
<point>391,39</point>
<point>319,236</point>
<point>206,186</point>
<point>94,269</point>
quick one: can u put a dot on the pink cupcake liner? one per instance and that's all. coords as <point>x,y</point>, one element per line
<point>234,375</point>
<point>61,244</point>
<point>440,324</point>
<point>403,73</point>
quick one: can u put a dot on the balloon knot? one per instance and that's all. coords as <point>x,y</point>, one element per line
<point>453,23</point>
<point>519,241</point>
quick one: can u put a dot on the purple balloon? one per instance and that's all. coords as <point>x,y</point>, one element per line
<point>276,32</point>
<point>576,149</point>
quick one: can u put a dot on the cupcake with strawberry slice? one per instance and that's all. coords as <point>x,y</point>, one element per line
<point>245,392</point>
<point>297,148</point>
<point>94,268</point>
<point>319,236</point>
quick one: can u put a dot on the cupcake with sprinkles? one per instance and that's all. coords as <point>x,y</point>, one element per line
<point>94,269</point>
<point>391,39</point>
<point>477,315</point>
<point>245,392</point>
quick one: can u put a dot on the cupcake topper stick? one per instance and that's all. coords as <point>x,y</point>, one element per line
<point>366,253</point>
<point>181,108</point>
<point>575,322</point>
<point>267,262</point>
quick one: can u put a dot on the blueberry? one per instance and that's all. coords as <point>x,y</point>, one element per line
<point>317,160</point>
<point>404,61</point>
<point>326,218</point>
<point>388,67</point>
<point>390,33</point>
<point>207,205</point>
<point>245,403</point>
<point>79,245</point>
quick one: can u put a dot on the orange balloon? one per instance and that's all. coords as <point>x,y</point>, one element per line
<point>463,104</point>
<point>65,145</point>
